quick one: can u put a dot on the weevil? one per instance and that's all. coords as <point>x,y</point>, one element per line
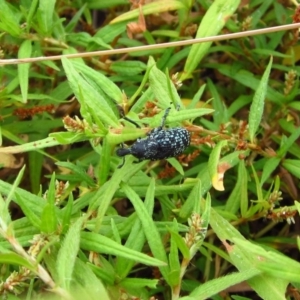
<point>159,144</point>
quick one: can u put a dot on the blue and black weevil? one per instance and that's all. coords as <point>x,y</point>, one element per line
<point>159,144</point>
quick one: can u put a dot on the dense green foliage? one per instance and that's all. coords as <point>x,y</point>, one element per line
<point>75,226</point>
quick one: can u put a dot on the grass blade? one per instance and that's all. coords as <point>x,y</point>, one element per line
<point>257,106</point>
<point>23,69</point>
<point>67,254</point>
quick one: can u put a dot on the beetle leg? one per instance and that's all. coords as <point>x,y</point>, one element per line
<point>123,162</point>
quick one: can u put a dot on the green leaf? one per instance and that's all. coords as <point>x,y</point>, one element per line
<point>16,259</point>
<point>223,229</point>
<point>267,287</point>
<point>202,208</point>
<point>75,19</point>
<point>150,8</point>
<point>67,212</point>
<point>239,195</point>
<point>30,202</point>
<point>102,81</point>
<point>65,138</point>
<point>45,16</point>
<point>109,32</point>
<point>147,95</point>
<point>49,217</point>
<point>13,187</point>
<point>213,163</point>
<point>212,22</point>
<point>23,231</point>
<point>246,78</point>
<point>258,187</point>
<point>271,262</point>
<point>128,67</point>
<point>101,244</point>
<point>44,143</point>
<point>297,205</point>
<point>67,254</point>
<point>88,286</point>
<point>23,69</point>
<point>220,115</point>
<point>136,238</point>
<point>196,97</point>
<point>238,103</point>
<point>51,190</point>
<point>195,195</point>
<point>160,87</point>
<point>260,11</point>
<point>288,143</point>
<point>268,52</point>
<point>231,159</point>
<point>115,232</point>
<point>78,171</point>
<point>88,96</point>
<point>174,262</point>
<point>104,163</point>
<point>4,216</point>
<point>180,243</point>
<point>128,134</point>
<point>295,105</point>
<point>150,230</point>
<point>32,216</point>
<point>202,213</point>
<point>271,164</point>
<point>36,161</point>
<point>9,20</point>
<point>178,116</point>
<point>214,286</point>
<point>176,165</point>
<point>139,282</point>
<point>293,166</point>
<point>31,12</point>
<point>105,271</point>
<point>257,106</point>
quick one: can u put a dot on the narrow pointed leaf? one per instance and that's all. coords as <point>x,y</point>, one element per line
<point>23,69</point>
<point>213,163</point>
<point>16,259</point>
<point>67,254</point>
<point>213,21</point>
<point>150,230</point>
<point>89,97</point>
<point>96,242</point>
<point>257,106</point>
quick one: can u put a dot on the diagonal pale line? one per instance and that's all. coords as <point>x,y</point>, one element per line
<point>229,36</point>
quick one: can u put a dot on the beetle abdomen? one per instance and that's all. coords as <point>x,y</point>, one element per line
<point>159,144</point>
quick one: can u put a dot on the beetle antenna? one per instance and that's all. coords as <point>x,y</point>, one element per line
<point>131,121</point>
<point>122,114</point>
<point>163,121</point>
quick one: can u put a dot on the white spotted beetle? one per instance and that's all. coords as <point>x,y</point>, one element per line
<point>159,144</point>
